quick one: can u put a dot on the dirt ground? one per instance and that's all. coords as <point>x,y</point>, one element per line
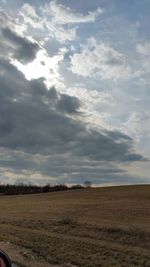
<point>89,228</point>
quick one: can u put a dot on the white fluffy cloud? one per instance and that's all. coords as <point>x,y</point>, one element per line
<point>60,21</point>
<point>30,17</point>
<point>29,11</point>
<point>99,59</point>
<point>143,49</point>
<point>64,15</point>
<point>135,124</point>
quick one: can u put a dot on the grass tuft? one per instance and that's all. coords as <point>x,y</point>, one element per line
<point>67,220</point>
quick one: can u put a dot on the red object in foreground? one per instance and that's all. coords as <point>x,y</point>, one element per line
<point>4,260</point>
<point>2,263</point>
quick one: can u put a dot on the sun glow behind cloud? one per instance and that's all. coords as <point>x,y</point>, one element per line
<point>43,66</point>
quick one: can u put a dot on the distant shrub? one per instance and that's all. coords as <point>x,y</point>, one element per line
<point>16,189</point>
<point>67,220</point>
<point>77,186</point>
<point>20,189</point>
<point>46,188</point>
<point>60,187</point>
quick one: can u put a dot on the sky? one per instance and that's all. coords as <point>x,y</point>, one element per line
<point>75,92</point>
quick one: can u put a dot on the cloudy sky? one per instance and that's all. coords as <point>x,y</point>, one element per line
<point>75,91</point>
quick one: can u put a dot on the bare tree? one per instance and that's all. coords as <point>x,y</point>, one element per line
<point>87,184</point>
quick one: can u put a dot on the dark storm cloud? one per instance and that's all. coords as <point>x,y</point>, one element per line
<point>34,120</point>
<point>67,166</point>
<point>55,166</point>
<point>102,146</point>
<point>68,104</point>
<point>56,169</point>
<point>21,48</point>
<point>59,169</point>
<point>13,44</point>
<point>12,82</point>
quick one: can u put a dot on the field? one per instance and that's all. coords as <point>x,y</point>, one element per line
<point>89,227</point>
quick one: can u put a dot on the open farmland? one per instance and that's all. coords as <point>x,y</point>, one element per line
<point>90,228</point>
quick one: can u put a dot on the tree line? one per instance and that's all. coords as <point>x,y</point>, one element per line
<point>35,189</point>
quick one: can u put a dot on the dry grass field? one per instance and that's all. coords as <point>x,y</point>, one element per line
<point>90,228</point>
